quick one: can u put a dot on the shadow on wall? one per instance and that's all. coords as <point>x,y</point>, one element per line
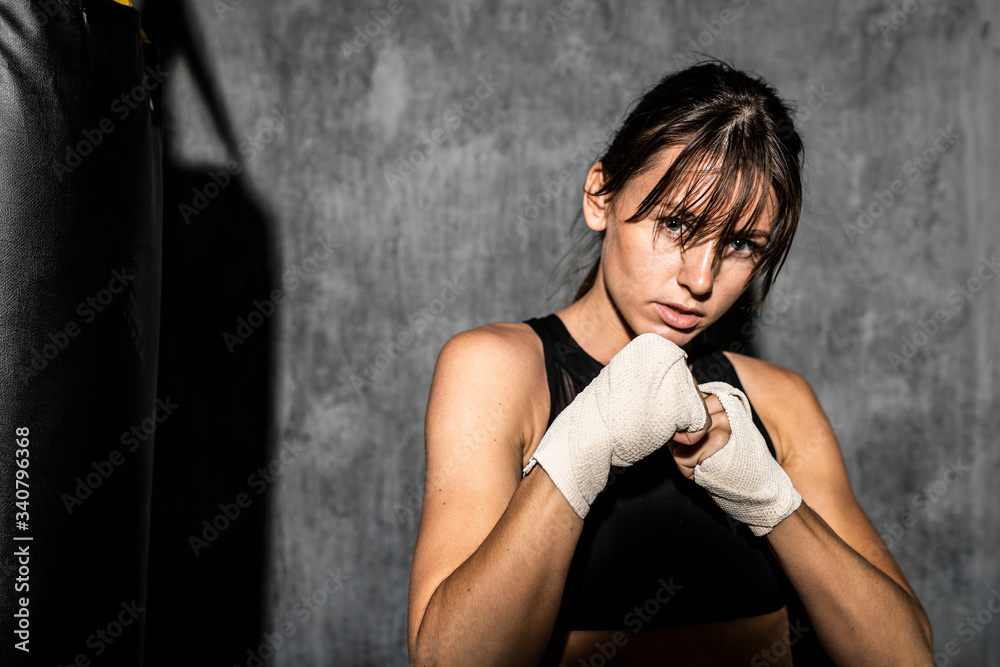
<point>208,533</point>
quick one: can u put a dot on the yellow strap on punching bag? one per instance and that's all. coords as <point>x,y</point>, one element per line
<point>128,3</point>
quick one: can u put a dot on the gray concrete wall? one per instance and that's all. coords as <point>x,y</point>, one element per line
<point>418,196</point>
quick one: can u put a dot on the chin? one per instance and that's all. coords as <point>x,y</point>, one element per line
<point>679,337</point>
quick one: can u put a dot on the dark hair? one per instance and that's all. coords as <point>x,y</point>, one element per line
<point>719,115</point>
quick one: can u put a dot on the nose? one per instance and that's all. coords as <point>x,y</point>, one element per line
<point>698,267</point>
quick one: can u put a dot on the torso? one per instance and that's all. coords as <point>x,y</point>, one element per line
<point>660,640</point>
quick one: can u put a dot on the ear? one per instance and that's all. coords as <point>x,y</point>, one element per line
<point>595,208</point>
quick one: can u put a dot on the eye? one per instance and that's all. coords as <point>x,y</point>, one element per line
<point>672,226</point>
<point>744,247</point>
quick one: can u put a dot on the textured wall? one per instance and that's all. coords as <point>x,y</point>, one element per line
<point>393,188</point>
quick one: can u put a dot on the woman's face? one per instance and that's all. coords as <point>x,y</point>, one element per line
<point>658,287</point>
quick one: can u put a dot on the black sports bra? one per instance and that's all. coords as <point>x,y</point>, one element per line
<point>652,534</point>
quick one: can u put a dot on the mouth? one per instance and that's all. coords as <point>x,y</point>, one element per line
<point>678,316</point>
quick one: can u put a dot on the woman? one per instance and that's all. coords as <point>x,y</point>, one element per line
<point>529,552</point>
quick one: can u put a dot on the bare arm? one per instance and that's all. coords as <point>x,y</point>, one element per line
<point>862,607</point>
<point>493,550</point>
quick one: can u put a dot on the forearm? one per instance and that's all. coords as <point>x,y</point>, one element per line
<point>499,607</point>
<point>861,616</point>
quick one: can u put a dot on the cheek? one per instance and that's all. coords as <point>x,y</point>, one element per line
<point>635,254</point>
<point>732,282</point>
<point>633,265</point>
<point>627,264</point>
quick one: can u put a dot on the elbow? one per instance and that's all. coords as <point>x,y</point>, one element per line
<point>415,647</point>
<point>429,648</point>
<point>420,646</point>
<point>421,655</point>
<point>431,634</point>
<point>415,657</point>
<point>416,653</point>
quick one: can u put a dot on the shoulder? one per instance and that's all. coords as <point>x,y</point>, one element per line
<point>495,344</point>
<point>494,370</point>
<point>506,355</point>
<point>784,400</point>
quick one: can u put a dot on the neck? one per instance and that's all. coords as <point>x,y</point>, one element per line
<point>595,323</point>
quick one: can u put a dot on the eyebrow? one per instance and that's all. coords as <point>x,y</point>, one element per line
<point>754,233</point>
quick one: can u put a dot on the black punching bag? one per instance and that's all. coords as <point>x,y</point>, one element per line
<point>80,254</point>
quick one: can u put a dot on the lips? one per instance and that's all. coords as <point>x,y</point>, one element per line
<point>678,316</point>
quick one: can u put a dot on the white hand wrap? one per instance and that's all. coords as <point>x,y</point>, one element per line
<point>634,405</point>
<point>742,477</point>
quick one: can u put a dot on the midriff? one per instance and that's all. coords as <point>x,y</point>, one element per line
<point>756,641</point>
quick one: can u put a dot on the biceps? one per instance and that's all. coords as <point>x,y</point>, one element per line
<point>472,472</point>
<point>465,493</point>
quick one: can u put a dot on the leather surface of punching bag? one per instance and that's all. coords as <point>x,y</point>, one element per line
<point>80,257</point>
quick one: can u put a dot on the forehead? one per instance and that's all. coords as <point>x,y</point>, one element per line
<point>693,189</point>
